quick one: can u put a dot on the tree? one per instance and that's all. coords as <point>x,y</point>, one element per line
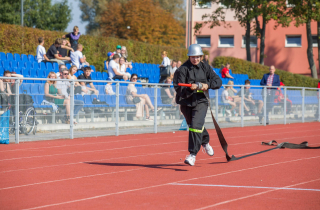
<point>245,12</point>
<point>147,20</point>
<point>37,14</point>
<point>93,9</point>
<point>303,12</point>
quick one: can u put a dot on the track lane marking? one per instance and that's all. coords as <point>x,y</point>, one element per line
<point>160,185</point>
<point>247,187</point>
<point>256,194</point>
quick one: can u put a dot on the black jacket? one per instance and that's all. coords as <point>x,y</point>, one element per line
<point>190,74</point>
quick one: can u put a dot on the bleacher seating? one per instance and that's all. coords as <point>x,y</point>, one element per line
<point>28,66</point>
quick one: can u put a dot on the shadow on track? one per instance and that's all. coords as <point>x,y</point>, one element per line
<point>158,166</point>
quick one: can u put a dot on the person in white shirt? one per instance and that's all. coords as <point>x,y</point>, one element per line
<point>173,68</point>
<point>108,88</point>
<point>78,59</point>
<point>228,100</point>
<point>41,51</point>
<point>123,67</point>
<point>165,63</point>
<point>114,69</point>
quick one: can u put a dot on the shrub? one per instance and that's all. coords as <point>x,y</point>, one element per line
<point>24,40</point>
<point>256,71</point>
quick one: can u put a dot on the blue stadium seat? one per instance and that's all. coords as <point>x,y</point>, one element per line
<point>5,64</point>
<point>43,66</point>
<point>24,58</point>
<point>13,64</point>
<point>9,57</point>
<point>68,65</point>
<point>16,57</point>
<point>25,88</point>
<point>34,89</point>
<point>31,58</point>
<point>49,66</point>
<point>17,70</point>
<point>55,67</point>
<point>3,56</point>
<point>35,65</point>
<point>93,68</point>
<point>87,101</point>
<point>99,76</point>
<point>105,75</point>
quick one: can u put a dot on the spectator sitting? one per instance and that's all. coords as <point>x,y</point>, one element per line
<point>165,63</point>
<point>168,94</point>
<point>206,59</point>
<point>280,99</point>
<point>108,88</point>
<point>144,100</point>
<point>270,79</point>
<point>118,51</point>
<point>52,53</point>
<point>41,51</point>
<point>225,72</point>
<point>77,87</point>
<point>86,76</point>
<point>124,54</point>
<point>54,97</point>
<point>173,68</point>
<point>179,64</point>
<point>78,59</point>
<point>114,69</point>
<point>249,101</point>
<point>63,52</point>
<point>228,100</point>
<point>123,68</point>
<point>110,56</point>
<point>61,66</point>
<point>73,38</point>
<point>64,86</point>
<point>236,98</point>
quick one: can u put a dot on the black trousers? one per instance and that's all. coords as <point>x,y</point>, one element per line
<point>198,135</point>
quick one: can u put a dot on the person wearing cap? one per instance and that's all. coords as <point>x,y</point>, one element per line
<point>118,50</point>
<point>280,99</point>
<point>110,56</point>
<point>193,100</point>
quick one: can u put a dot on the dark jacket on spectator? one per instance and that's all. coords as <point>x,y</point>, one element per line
<point>275,82</point>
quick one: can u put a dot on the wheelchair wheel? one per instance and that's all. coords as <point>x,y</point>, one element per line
<point>29,121</point>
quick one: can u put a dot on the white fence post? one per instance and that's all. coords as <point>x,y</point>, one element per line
<point>155,108</point>
<point>17,129</point>
<point>303,102</point>
<point>264,106</point>
<point>117,108</point>
<point>71,108</point>
<point>242,105</point>
<point>285,106</point>
<point>217,104</point>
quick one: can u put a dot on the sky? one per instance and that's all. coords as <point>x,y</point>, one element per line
<point>76,19</point>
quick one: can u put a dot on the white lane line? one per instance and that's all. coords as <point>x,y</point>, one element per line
<point>41,167</point>
<point>166,184</point>
<point>248,187</point>
<point>106,142</point>
<point>249,196</point>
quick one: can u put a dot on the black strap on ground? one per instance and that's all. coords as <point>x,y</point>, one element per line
<point>224,144</point>
<point>303,145</point>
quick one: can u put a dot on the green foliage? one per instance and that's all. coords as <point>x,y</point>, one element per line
<point>256,71</point>
<point>37,14</point>
<point>23,40</point>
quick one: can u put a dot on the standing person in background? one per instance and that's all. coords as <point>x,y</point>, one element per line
<point>193,101</point>
<point>270,79</point>
<point>118,51</point>
<point>225,72</point>
<point>73,38</point>
<point>165,64</point>
<point>41,51</point>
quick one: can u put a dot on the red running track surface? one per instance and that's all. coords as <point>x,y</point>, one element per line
<point>147,172</point>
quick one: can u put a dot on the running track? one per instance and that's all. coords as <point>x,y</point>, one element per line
<point>147,172</point>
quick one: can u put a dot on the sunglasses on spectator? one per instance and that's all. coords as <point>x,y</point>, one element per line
<point>134,78</point>
<point>66,74</point>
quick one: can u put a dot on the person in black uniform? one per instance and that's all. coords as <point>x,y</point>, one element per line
<point>193,101</point>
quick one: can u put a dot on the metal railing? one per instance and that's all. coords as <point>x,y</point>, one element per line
<point>116,117</point>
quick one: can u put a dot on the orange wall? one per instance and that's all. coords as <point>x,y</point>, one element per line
<point>292,59</point>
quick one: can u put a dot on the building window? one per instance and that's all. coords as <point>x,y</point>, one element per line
<point>222,5</point>
<point>293,41</point>
<point>253,41</point>
<point>204,41</point>
<point>314,40</point>
<point>200,5</point>
<point>226,41</point>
